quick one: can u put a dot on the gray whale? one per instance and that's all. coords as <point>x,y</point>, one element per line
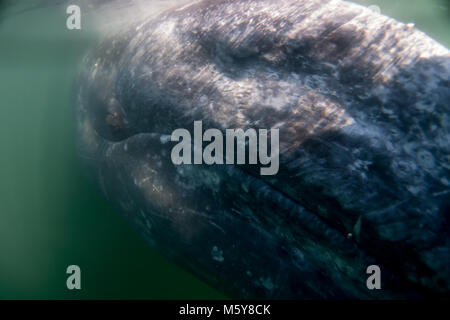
<point>362,106</point>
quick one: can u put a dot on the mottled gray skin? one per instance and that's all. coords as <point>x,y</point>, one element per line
<point>362,105</point>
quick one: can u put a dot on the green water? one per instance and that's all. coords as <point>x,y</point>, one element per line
<point>50,216</point>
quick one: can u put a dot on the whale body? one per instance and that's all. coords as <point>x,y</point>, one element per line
<point>361,102</point>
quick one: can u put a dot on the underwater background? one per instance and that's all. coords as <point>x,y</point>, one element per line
<point>51,216</point>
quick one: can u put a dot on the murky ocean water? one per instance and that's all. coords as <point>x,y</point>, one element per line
<point>50,215</point>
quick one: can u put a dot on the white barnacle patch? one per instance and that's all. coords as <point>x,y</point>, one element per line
<point>425,106</point>
<point>164,138</point>
<point>414,189</point>
<point>445,181</point>
<point>191,178</point>
<point>389,112</point>
<point>360,166</point>
<point>276,101</point>
<point>441,193</point>
<point>316,114</point>
<point>146,221</point>
<point>217,254</point>
<point>152,186</point>
<point>267,283</point>
<point>203,100</point>
<point>357,228</point>
<point>88,135</point>
<point>166,28</point>
<point>425,159</point>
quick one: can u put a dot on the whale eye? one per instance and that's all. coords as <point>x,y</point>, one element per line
<point>114,120</point>
<point>108,116</point>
